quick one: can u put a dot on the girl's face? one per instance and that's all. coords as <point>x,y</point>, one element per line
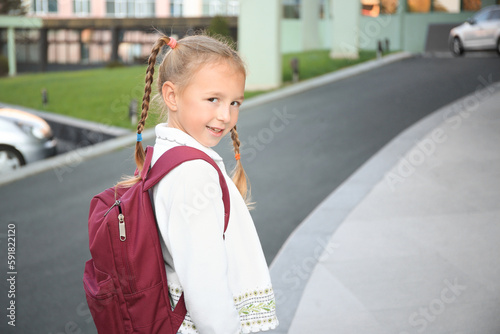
<point>207,109</point>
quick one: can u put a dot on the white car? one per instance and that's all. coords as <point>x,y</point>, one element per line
<point>480,32</point>
<point>24,138</point>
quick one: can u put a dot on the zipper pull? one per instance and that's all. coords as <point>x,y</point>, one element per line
<point>121,227</point>
<point>115,204</point>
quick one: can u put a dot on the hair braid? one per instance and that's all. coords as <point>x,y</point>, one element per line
<point>239,176</point>
<point>139,149</point>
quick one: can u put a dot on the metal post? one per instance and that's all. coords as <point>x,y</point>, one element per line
<point>1,41</point>
<point>114,43</point>
<point>11,47</point>
<point>44,49</point>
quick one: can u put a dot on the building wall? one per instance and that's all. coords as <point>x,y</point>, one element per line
<point>404,31</point>
<point>415,27</point>
<point>162,8</point>
<point>373,29</point>
<point>190,8</point>
<point>292,34</point>
<point>97,8</point>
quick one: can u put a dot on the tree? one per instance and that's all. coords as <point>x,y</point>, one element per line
<point>219,26</point>
<point>12,7</point>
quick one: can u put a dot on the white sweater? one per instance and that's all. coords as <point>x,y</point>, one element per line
<point>226,283</point>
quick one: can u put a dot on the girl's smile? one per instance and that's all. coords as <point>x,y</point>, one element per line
<point>215,131</point>
<point>207,108</point>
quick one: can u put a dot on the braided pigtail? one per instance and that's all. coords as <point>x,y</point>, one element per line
<point>239,176</point>
<point>139,153</point>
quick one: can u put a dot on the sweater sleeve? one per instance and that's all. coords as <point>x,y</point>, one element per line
<point>191,197</point>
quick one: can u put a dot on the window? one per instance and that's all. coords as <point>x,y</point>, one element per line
<point>233,8</point>
<point>221,7</point>
<point>376,7</point>
<point>370,7</point>
<point>144,8</point>
<point>419,6</point>
<point>44,6</point>
<point>322,9</point>
<point>116,8</point>
<point>81,7</point>
<point>471,5</point>
<point>110,8</point>
<point>389,6</point>
<point>482,16</point>
<point>176,8</point>
<point>291,9</point>
<point>130,8</point>
<point>447,6</point>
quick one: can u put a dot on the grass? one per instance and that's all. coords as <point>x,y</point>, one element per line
<point>100,95</point>
<point>103,95</point>
<point>318,62</point>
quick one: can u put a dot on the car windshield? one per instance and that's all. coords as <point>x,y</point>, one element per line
<point>481,16</point>
<point>495,15</point>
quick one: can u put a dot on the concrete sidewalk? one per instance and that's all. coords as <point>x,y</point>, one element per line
<point>410,242</point>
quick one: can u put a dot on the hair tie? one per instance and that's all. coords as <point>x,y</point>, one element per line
<point>237,156</point>
<point>172,42</point>
<point>139,137</point>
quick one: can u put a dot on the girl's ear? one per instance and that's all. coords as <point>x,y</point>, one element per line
<point>168,92</point>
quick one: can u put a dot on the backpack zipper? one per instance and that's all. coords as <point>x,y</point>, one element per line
<point>121,224</point>
<point>124,251</point>
<point>121,220</point>
<point>117,203</point>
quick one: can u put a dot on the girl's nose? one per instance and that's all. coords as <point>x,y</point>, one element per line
<point>223,114</point>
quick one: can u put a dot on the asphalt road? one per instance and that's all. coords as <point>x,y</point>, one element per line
<point>298,150</point>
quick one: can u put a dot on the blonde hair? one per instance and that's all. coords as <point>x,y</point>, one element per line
<point>179,66</point>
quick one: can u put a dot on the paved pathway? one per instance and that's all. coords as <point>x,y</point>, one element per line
<point>419,253</point>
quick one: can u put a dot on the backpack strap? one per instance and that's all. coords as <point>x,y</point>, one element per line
<point>173,158</point>
<point>147,162</point>
<point>168,161</point>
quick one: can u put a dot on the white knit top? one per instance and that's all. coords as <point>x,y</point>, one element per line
<point>226,283</point>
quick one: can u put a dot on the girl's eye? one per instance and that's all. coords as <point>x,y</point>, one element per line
<point>236,103</point>
<point>213,99</point>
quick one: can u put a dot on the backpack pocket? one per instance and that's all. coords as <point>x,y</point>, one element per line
<point>148,308</point>
<point>102,299</point>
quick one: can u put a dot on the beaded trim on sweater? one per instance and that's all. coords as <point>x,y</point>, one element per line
<point>257,310</point>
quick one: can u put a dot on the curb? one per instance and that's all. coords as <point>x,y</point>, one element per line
<point>126,138</point>
<point>80,123</point>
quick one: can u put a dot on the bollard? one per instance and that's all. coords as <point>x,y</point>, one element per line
<point>294,64</point>
<point>132,111</point>
<point>379,49</point>
<point>387,48</point>
<point>45,98</point>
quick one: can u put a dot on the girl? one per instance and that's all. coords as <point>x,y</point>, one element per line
<point>226,282</point>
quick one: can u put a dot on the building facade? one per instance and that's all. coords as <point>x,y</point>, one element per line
<point>131,8</point>
<point>95,45</point>
<point>404,23</point>
<point>344,27</point>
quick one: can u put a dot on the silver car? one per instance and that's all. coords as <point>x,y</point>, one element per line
<point>24,138</point>
<point>480,32</point>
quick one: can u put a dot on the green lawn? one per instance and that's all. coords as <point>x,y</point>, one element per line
<point>315,63</point>
<point>100,95</point>
<point>103,95</point>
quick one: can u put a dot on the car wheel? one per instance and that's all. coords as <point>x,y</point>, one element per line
<point>10,159</point>
<point>456,47</point>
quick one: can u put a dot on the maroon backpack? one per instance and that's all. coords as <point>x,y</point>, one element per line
<point>125,281</point>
